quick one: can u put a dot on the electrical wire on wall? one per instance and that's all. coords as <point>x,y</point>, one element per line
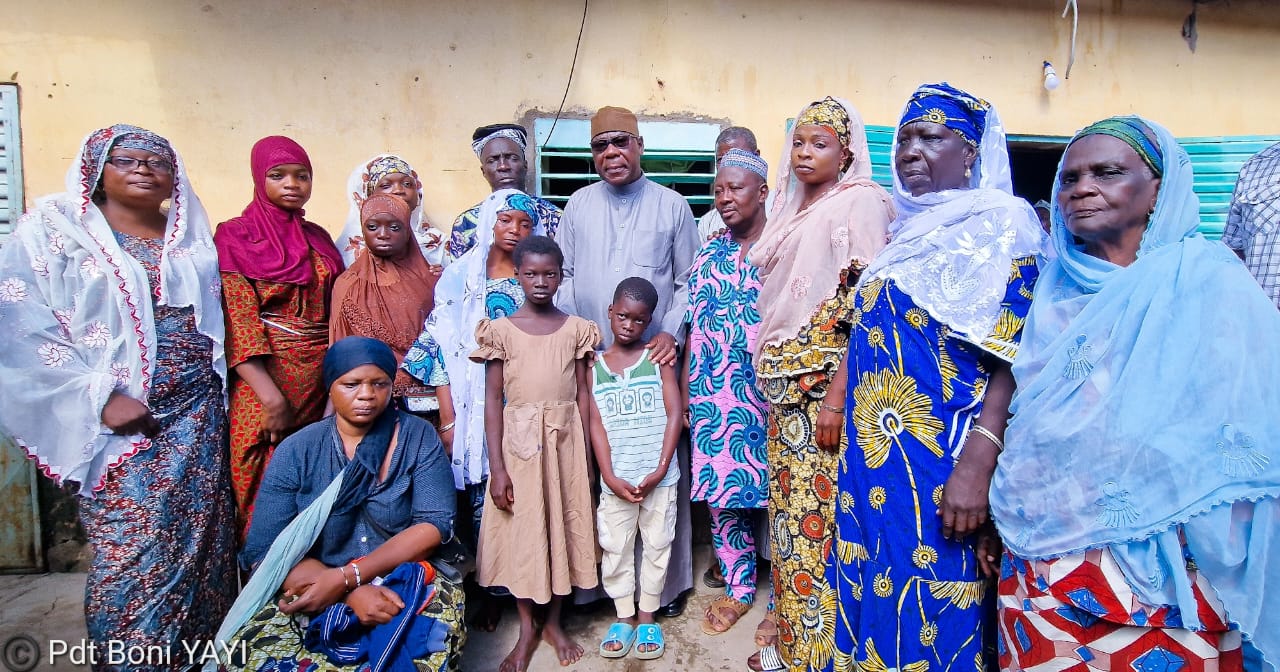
<point>572,67</point>
<point>1075,23</point>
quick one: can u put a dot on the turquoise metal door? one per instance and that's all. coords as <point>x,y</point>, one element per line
<point>20,547</point>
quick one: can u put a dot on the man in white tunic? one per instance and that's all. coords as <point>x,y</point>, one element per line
<point>623,226</point>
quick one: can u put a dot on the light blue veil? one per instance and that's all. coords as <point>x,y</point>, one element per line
<point>1148,407</point>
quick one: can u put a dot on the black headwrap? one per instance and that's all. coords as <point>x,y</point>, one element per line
<point>362,472</point>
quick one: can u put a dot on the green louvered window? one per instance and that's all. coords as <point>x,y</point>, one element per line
<point>680,155</point>
<point>1217,163</point>
<point>880,144</point>
<point>11,203</point>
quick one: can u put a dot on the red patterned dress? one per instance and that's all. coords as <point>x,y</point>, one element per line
<point>288,326</point>
<point>1079,613</point>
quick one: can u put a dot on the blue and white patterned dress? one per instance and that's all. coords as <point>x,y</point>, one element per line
<point>163,524</point>
<point>900,595</point>
<point>425,360</point>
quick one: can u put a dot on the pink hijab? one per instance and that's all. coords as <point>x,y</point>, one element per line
<point>801,253</point>
<point>267,242</point>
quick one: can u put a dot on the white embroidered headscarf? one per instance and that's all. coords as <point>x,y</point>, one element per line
<point>460,305</point>
<point>78,316</point>
<point>952,250</point>
<point>360,185</point>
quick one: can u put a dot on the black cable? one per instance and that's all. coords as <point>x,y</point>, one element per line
<point>572,67</point>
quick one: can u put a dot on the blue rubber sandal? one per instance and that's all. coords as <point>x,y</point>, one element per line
<point>650,633</point>
<point>620,633</point>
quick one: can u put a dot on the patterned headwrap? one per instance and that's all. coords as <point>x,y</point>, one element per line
<point>99,145</point>
<point>751,161</point>
<point>944,104</point>
<point>522,202</point>
<point>829,114</point>
<point>1134,133</point>
<point>383,166</point>
<point>484,134</point>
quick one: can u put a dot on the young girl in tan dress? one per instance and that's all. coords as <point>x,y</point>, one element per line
<point>537,538</point>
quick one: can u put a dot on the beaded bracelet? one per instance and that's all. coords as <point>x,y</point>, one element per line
<point>356,569</point>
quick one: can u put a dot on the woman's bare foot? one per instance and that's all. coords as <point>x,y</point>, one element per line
<point>567,650</point>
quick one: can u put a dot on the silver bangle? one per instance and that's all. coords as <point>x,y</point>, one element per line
<point>445,428</point>
<point>989,434</point>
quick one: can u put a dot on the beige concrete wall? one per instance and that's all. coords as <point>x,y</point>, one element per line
<point>351,79</point>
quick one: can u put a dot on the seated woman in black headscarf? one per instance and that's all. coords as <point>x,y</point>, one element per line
<point>350,509</point>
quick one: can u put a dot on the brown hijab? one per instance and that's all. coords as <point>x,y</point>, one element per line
<point>387,298</point>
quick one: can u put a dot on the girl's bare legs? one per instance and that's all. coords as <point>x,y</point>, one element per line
<point>522,652</point>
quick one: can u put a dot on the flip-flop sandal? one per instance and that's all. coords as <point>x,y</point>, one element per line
<point>712,579</point>
<point>767,631</point>
<point>769,659</point>
<point>723,613</point>
<point>650,633</point>
<point>621,633</point>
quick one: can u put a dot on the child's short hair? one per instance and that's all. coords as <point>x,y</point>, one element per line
<point>639,289</point>
<point>537,245</point>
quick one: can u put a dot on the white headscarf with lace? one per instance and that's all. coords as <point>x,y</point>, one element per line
<point>952,250</point>
<point>78,316</point>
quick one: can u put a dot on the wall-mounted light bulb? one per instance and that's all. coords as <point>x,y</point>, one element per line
<point>1051,80</point>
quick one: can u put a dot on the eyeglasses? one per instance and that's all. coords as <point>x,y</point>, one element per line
<point>620,141</point>
<point>129,163</point>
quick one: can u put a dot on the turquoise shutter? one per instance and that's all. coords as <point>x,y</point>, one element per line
<point>880,143</point>
<point>1217,162</point>
<point>11,203</point>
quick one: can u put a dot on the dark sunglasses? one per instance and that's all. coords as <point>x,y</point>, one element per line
<point>620,141</point>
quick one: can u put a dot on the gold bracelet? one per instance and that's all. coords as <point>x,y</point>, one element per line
<point>989,434</point>
<point>832,409</point>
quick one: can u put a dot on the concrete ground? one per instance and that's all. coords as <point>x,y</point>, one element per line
<point>44,609</point>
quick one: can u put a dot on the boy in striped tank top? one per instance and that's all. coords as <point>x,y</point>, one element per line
<point>635,424</point>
